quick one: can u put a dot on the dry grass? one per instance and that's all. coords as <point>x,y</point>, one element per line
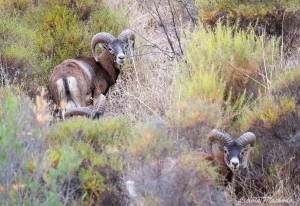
<point>185,100</point>
<point>146,86</point>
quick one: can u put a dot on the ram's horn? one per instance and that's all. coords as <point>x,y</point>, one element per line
<point>100,38</point>
<point>247,138</point>
<point>85,111</point>
<point>127,35</point>
<point>215,135</point>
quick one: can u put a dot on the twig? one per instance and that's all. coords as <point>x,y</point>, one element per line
<point>174,25</point>
<point>133,62</point>
<point>178,114</point>
<point>134,55</point>
<point>190,15</point>
<point>265,68</point>
<point>154,45</point>
<point>243,72</point>
<point>164,27</point>
<point>281,50</point>
<point>143,103</point>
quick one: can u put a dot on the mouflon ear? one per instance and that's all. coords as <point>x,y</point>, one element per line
<point>247,141</point>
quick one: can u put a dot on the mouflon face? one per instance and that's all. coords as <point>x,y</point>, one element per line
<point>233,155</point>
<point>117,49</point>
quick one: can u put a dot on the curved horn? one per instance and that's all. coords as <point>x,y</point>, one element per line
<point>85,111</point>
<point>216,135</point>
<point>102,38</point>
<point>247,141</point>
<point>247,138</point>
<point>80,111</point>
<point>127,35</point>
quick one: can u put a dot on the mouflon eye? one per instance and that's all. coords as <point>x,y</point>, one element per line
<point>225,151</point>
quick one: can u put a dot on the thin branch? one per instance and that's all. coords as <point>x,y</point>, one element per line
<point>164,27</point>
<point>134,66</point>
<point>154,45</point>
<point>174,25</point>
<point>282,42</point>
<point>143,103</point>
<point>243,72</point>
<point>189,13</point>
<point>147,53</point>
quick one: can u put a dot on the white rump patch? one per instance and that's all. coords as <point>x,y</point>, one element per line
<point>72,83</point>
<point>60,86</point>
<point>61,93</point>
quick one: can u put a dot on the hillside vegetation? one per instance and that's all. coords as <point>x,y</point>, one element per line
<point>197,65</point>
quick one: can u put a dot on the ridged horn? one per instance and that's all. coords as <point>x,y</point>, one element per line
<point>247,138</point>
<point>127,35</point>
<point>78,111</point>
<point>215,135</point>
<point>100,38</point>
<point>85,111</point>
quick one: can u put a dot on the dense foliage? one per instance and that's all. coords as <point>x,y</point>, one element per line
<point>158,115</point>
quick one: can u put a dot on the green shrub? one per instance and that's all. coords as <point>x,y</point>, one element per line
<point>149,142</point>
<point>99,147</point>
<point>16,38</point>
<point>235,55</point>
<point>18,143</point>
<point>274,119</point>
<point>271,108</point>
<point>108,21</point>
<point>60,36</point>
<point>245,8</point>
<point>266,112</point>
<point>82,9</point>
<point>20,5</point>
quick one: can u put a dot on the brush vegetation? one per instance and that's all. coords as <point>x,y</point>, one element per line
<point>38,36</point>
<point>158,114</point>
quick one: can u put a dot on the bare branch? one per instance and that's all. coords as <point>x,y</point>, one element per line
<point>174,25</point>
<point>164,27</point>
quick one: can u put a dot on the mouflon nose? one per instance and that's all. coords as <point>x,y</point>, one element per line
<point>234,163</point>
<point>121,56</point>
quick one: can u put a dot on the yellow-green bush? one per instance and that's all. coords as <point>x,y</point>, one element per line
<point>234,55</point>
<point>19,5</point>
<point>285,81</point>
<point>99,146</point>
<point>19,141</point>
<point>274,119</point>
<point>222,72</point>
<point>267,111</point>
<point>271,108</point>
<point>60,36</point>
<point>108,21</point>
<point>149,142</point>
<point>247,9</point>
<point>16,38</point>
<point>82,9</point>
